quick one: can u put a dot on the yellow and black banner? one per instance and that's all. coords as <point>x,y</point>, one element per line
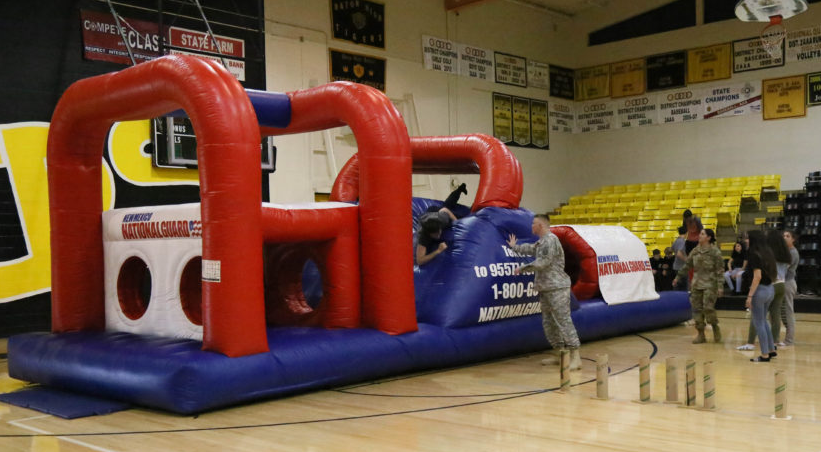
<point>538,124</point>
<point>784,97</point>
<point>593,82</point>
<point>502,117</point>
<point>814,88</point>
<point>521,121</point>
<point>709,63</point>
<point>627,78</point>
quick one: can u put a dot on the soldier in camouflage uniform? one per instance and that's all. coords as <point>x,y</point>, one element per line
<point>553,285</point>
<point>707,284</point>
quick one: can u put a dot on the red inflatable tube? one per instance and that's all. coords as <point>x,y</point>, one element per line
<point>500,174</point>
<point>336,253</point>
<point>225,123</point>
<point>580,262</point>
<point>385,184</point>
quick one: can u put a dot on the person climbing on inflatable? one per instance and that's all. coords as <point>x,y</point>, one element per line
<point>553,285</point>
<point>429,243</point>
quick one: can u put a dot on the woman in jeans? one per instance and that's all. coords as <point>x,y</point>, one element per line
<point>762,270</point>
<point>790,288</point>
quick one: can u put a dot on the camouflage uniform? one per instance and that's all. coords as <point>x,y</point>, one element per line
<point>708,279</point>
<point>553,285</point>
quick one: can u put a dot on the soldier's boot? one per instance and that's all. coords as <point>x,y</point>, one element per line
<point>553,360</point>
<point>575,360</point>
<point>716,332</point>
<point>700,339</point>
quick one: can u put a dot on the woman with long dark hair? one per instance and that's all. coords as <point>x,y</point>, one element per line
<point>708,266</point>
<point>759,277</point>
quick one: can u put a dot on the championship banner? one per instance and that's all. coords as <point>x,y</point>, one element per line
<point>784,97</point>
<point>561,82</point>
<point>681,106</point>
<point>475,62</point>
<point>353,67</point>
<point>709,63</point>
<point>804,44</point>
<point>360,22</point>
<point>732,100</point>
<point>538,74</point>
<point>627,78</point>
<point>521,121</point>
<point>637,111</point>
<point>624,270</point>
<point>538,124</point>
<point>596,116</point>
<point>502,117</point>
<point>666,71</point>
<point>814,89</point>
<point>510,69</point>
<point>593,82</point>
<point>102,40</point>
<point>749,55</point>
<point>561,116</point>
<point>440,55</point>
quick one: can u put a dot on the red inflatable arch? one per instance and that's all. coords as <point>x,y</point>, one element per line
<point>500,174</point>
<point>225,124</point>
<point>385,179</point>
<point>580,262</point>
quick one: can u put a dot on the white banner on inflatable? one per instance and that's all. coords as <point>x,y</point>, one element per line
<point>624,270</point>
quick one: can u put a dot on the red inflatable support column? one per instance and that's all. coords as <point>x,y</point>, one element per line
<point>580,262</point>
<point>500,174</point>
<point>225,123</point>
<point>385,186</point>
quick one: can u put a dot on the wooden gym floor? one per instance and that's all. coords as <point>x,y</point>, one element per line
<point>508,404</point>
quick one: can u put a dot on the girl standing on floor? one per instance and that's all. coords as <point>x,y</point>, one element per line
<point>760,274</point>
<point>790,288</point>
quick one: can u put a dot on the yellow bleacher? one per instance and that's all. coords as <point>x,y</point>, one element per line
<point>654,209</point>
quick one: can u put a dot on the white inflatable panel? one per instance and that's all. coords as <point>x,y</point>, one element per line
<point>166,238</point>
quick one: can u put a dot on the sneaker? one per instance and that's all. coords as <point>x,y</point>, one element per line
<point>780,344</point>
<point>760,359</point>
<point>773,354</point>
<point>746,347</point>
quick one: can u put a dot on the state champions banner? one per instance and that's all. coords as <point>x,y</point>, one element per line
<point>624,270</point>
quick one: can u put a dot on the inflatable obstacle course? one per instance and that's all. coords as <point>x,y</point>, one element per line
<point>244,330</point>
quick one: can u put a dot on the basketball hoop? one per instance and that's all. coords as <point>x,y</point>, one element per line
<point>774,12</point>
<point>772,37</point>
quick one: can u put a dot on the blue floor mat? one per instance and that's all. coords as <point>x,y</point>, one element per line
<point>67,405</point>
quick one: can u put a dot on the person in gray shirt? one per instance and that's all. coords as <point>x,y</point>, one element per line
<point>680,257</point>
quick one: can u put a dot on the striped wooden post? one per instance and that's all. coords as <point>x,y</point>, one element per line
<point>709,386</point>
<point>690,383</point>
<point>781,395</point>
<point>644,380</point>
<point>602,377</point>
<point>564,372</point>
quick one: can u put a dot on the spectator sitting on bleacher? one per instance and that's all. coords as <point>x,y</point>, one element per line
<point>735,267</point>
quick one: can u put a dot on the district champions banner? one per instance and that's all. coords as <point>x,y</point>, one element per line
<point>624,269</point>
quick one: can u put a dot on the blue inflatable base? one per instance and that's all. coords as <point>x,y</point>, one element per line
<point>66,405</point>
<point>176,375</point>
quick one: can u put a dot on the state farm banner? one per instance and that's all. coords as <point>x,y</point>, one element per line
<point>732,100</point>
<point>624,270</point>
<point>183,41</point>
<point>637,111</point>
<point>102,40</point>
<point>199,41</point>
<point>595,116</point>
<point>681,105</point>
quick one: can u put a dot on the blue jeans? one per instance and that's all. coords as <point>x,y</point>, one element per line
<point>762,298</point>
